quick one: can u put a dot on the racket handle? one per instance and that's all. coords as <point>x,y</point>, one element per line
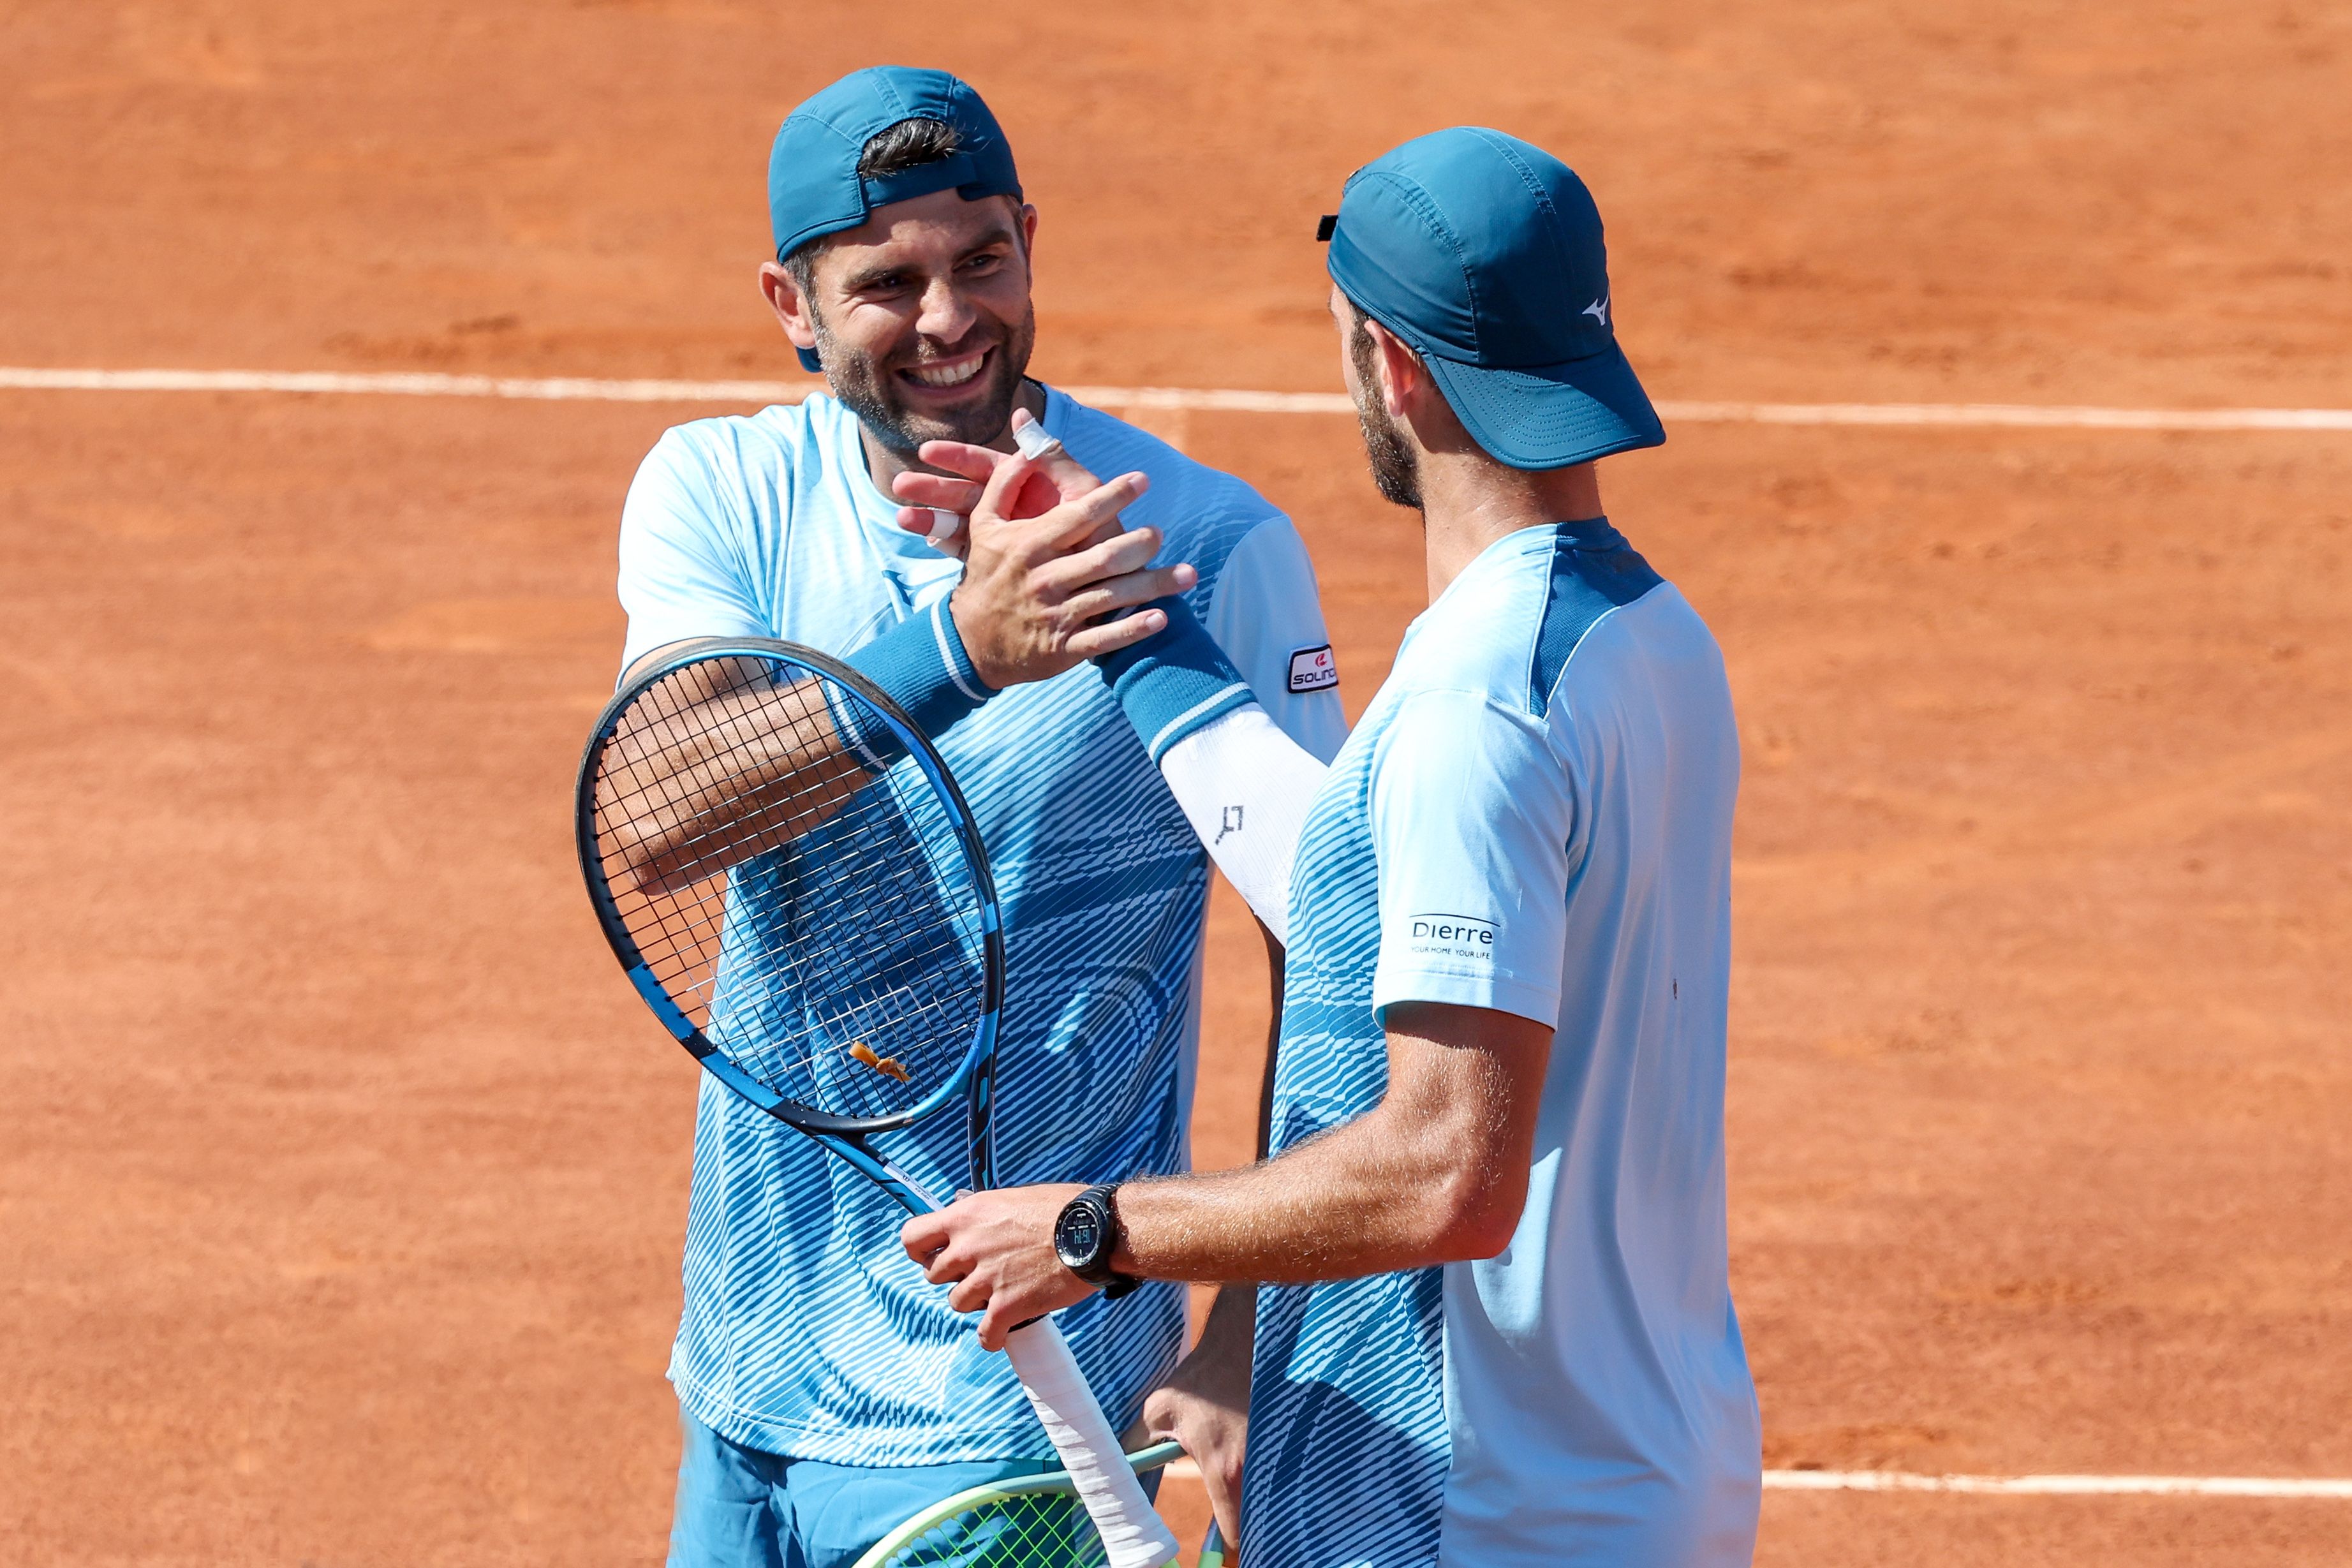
<point>1133,1536</point>
<point>1212,1547</point>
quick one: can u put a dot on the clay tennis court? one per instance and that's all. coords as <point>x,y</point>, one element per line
<point>342,1177</point>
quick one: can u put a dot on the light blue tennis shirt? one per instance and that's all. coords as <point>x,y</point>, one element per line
<point>806,1330</point>
<point>1534,816</point>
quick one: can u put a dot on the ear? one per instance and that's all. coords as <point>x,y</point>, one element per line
<point>792,307</point>
<point>1403,378</point>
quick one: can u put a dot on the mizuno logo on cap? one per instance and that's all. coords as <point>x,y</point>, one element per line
<point>1598,310</point>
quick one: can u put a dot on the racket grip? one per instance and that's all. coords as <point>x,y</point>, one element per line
<point>1133,1536</point>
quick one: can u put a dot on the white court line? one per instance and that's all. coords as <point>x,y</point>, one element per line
<point>2013,415</point>
<point>2014,1485</point>
<point>2056,1485</point>
<point>418,384</point>
<point>423,383</point>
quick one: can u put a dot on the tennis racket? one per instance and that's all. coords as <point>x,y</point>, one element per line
<point>1035,1521</point>
<point>790,878</point>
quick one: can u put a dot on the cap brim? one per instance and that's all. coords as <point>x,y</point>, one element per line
<point>1551,416</point>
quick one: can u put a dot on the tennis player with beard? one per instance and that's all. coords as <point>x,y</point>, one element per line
<point>1494,1327</point>
<point>826,1389</point>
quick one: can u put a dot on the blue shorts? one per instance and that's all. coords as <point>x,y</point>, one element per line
<point>740,1507</point>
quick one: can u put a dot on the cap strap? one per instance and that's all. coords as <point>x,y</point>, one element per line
<point>956,169</point>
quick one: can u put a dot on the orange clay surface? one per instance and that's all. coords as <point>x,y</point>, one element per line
<point>341,1178</point>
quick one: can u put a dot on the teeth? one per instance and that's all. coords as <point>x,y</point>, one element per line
<point>948,375</point>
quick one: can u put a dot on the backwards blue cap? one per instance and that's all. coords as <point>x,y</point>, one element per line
<point>813,188</point>
<point>1483,253</point>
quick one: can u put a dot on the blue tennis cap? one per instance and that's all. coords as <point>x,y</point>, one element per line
<point>813,186</point>
<point>1483,253</point>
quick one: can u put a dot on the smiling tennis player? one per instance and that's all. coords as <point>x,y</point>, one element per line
<point>825,1390</point>
<point>1495,1324</point>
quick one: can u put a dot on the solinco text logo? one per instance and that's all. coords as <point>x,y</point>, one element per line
<point>1453,936</point>
<point>1311,669</point>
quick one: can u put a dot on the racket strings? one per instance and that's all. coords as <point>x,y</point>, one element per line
<point>682,773</point>
<point>659,747</point>
<point>818,921</point>
<point>1043,1529</point>
<point>838,1018</point>
<point>691,758</point>
<point>859,1031</point>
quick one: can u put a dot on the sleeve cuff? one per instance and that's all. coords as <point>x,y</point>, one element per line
<point>1174,682</point>
<point>1496,993</point>
<point>921,664</point>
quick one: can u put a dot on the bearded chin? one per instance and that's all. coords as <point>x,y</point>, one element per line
<point>867,391</point>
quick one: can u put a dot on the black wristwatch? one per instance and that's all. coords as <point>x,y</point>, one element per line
<point>1088,1235</point>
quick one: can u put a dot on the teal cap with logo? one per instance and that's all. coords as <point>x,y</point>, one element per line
<point>813,186</point>
<point>1483,253</point>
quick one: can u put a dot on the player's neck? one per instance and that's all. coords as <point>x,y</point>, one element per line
<point>883,464</point>
<point>1468,502</point>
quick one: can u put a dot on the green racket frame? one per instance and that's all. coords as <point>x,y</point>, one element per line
<point>904,1544</point>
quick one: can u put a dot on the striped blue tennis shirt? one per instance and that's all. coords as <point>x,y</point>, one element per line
<point>806,1332</point>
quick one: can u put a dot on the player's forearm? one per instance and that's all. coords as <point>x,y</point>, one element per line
<point>1435,1173</point>
<point>705,807</point>
<point>789,759</point>
<point>1370,1197</point>
<point>1218,1365</point>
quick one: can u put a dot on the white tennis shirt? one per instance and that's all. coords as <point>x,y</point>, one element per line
<point>1534,816</point>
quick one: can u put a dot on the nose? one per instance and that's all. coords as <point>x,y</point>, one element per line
<point>946,315</point>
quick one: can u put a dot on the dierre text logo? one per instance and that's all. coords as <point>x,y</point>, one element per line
<point>1455,936</point>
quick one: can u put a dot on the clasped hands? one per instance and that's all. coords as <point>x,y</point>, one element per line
<point>1047,562</point>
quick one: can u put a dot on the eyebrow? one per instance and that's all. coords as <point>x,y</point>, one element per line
<point>859,282</point>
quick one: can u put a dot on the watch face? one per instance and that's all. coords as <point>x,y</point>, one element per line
<point>1077,1236</point>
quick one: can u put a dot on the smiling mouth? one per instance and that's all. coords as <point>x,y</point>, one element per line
<point>947,376</point>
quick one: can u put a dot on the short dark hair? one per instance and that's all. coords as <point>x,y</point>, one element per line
<point>909,144</point>
<point>893,150</point>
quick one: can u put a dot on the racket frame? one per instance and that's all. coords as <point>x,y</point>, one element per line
<point>1142,1461</point>
<point>846,1135</point>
